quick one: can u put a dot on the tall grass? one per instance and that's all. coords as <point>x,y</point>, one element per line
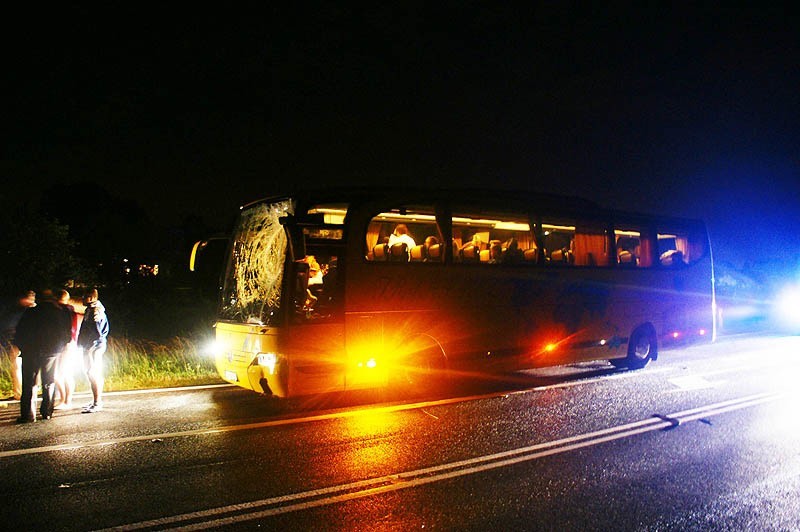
<point>136,364</point>
<point>133,364</point>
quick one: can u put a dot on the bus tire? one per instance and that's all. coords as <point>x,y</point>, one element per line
<point>642,347</point>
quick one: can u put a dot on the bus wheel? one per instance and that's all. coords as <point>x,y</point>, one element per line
<point>641,347</point>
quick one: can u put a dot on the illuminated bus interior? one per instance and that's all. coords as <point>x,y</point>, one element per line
<point>508,237</point>
<point>424,238</point>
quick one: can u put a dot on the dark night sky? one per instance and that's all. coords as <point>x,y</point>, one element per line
<point>683,110</point>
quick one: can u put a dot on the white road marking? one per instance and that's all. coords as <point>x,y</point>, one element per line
<point>613,376</point>
<point>323,417</point>
<point>146,391</point>
<point>307,419</point>
<point>691,382</point>
<point>366,488</point>
<point>251,426</point>
<point>335,415</point>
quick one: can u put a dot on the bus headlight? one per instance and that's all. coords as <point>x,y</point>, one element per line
<point>211,349</point>
<point>268,360</point>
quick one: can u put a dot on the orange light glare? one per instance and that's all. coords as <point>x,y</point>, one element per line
<point>550,347</point>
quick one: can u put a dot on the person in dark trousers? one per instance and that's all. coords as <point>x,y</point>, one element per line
<point>9,321</point>
<point>92,338</point>
<point>42,334</point>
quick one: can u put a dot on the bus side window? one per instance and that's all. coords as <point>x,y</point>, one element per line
<point>559,238</point>
<point>591,245</point>
<point>493,236</point>
<point>679,248</point>
<point>579,242</point>
<point>317,289</point>
<point>402,234</point>
<point>634,246</point>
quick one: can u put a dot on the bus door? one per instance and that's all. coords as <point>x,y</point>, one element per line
<point>315,339</point>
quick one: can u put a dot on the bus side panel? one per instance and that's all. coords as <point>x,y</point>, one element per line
<point>485,317</point>
<point>505,317</point>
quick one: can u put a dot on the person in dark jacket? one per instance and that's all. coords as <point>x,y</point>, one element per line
<point>9,321</point>
<point>42,334</point>
<point>92,338</point>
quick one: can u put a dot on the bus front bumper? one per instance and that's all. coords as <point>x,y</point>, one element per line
<point>263,373</point>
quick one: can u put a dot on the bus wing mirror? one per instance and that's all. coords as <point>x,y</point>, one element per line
<point>198,247</point>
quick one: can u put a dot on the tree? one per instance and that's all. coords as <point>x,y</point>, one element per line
<point>37,251</point>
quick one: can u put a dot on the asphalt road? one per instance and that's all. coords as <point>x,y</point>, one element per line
<point>707,437</point>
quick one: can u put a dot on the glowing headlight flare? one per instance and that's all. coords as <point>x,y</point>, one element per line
<point>211,348</point>
<point>74,361</point>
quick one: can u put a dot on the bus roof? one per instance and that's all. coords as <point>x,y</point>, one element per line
<point>544,203</point>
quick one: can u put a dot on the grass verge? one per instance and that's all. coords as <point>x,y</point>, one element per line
<point>138,364</point>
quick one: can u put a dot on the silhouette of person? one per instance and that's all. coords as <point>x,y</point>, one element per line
<point>9,323</point>
<point>42,334</point>
<point>92,337</point>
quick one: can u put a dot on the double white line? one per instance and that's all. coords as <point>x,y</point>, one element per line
<point>228,515</point>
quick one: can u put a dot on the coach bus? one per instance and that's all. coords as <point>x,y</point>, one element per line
<point>344,289</point>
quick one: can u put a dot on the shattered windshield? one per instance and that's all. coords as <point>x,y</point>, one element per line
<point>252,287</point>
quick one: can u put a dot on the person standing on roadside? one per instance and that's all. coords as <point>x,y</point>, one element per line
<point>65,382</point>
<point>93,338</point>
<point>42,334</point>
<point>10,320</point>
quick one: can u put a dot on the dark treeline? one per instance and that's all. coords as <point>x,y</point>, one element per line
<point>80,235</point>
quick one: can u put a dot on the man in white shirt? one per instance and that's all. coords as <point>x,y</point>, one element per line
<point>401,236</point>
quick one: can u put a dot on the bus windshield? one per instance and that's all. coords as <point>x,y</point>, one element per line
<point>251,290</point>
